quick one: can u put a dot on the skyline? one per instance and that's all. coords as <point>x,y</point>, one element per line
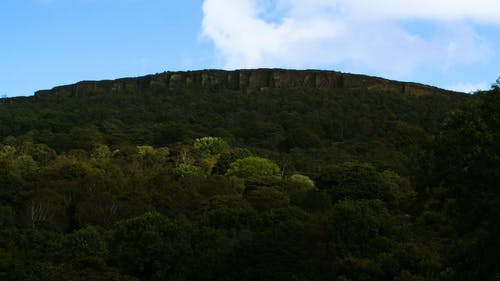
<point>449,44</point>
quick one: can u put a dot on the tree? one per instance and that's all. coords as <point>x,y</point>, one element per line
<point>229,212</point>
<point>7,216</point>
<point>303,182</point>
<point>298,186</point>
<point>354,181</point>
<point>263,199</point>
<point>41,153</point>
<point>227,157</point>
<point>86,137</point>
<point>356,224</point>
<point>253,167</point>
<point>211,145</point>
<point>463,184</point>
<point>27,165</point>
<point>87,247</point>
<point>101,152</point>
<point>151,247</point>
<point>11,180</point>
<point>187,170</point>
<point>496,86</point>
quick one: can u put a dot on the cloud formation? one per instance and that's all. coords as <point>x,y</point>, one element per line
<point>470,87</point>
<point>365,35</point>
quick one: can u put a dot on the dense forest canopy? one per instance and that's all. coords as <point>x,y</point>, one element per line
<point>250,175</point>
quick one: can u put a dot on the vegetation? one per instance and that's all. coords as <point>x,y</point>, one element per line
<point>279,184</point>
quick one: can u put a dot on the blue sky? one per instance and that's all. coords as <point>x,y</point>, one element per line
<point>453,44</point>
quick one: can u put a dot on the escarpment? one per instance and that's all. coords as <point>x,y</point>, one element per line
<point>244,80</point>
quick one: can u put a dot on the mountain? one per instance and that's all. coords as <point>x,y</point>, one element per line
<point>314,114</point>
<point>264,174</point>
<point>247,81</point>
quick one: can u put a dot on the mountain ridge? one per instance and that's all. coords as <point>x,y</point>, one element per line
<point>247,80</point>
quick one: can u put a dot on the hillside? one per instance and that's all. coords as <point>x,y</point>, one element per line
<point>265,174</point>
<point>246,81</point>
<point>314,114</point>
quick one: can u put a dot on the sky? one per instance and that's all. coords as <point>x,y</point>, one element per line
<point>452,44</point>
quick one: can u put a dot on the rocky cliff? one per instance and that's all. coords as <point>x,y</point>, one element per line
<point>244,80</point>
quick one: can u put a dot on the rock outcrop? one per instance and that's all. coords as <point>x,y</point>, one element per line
<point>244,80</point>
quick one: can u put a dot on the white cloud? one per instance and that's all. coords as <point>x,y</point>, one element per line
<point>479,10</point>
<point>470,87</point>
<point>367,35</point>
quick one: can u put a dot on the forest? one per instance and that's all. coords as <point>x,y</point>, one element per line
<point>296,182</point>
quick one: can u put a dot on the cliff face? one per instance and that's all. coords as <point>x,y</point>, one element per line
<point>245,80</point>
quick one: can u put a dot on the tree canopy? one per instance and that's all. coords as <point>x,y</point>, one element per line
<point>161,181</point>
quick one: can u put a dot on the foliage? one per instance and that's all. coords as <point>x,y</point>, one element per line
<point>347,184</point>
<point>253,167</point>
<point>368,183</point>
<point>211,145</point>
<point>184,170</point>
<point>302,180</point>
<point>464,176</point>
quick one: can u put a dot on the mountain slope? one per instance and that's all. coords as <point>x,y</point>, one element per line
<point>323,116</point>
<point>250,175</point>
<point>247,81</point>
